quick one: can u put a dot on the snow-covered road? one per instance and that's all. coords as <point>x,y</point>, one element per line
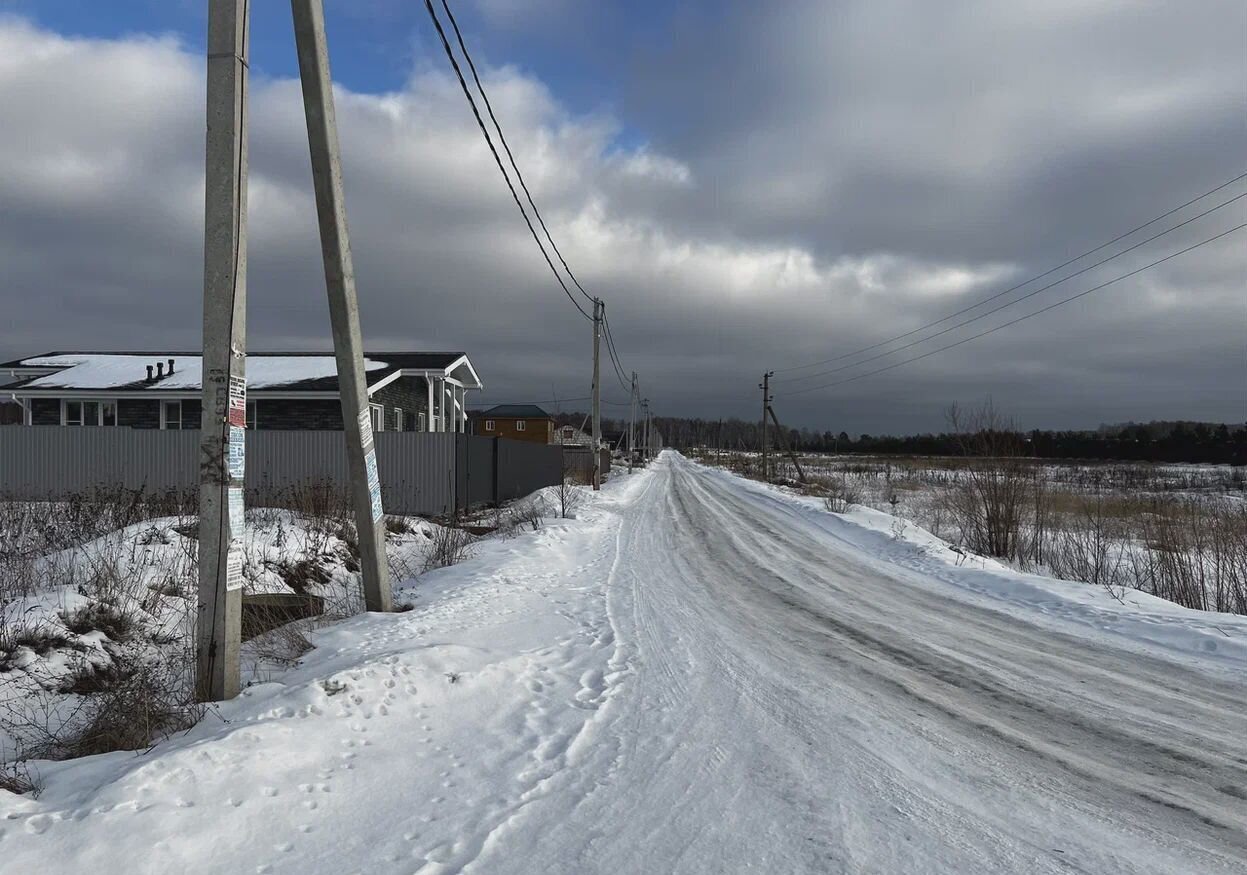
<point>795,705</point>
<point>701,675</point>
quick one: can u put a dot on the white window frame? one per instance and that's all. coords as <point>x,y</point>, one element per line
<point>489,425</point>
<point>521,425</point>
<point>164,419</point>
<point>99,403</point>
<point>421,422</point>
<point>398,419</point>
<point>377,413</point>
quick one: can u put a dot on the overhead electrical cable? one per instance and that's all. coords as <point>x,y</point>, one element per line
<point>507,148</point>
<point>1008,304</point>
<point>1023,318</point>
<point>497,159</point>
<point>1020,285</point>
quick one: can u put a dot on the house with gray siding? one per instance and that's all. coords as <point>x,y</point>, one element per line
<point>407,391</point>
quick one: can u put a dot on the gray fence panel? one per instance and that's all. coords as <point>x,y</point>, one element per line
<point>578,463</point>
<point>526,467</point>
<point>417,471</point>
<point>421,474</point>
<point>41,462</point>
<point>478,467</point>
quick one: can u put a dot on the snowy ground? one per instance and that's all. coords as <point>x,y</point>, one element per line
<point>699,674</point>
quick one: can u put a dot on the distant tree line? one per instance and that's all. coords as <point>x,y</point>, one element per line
<point>1159,441</point>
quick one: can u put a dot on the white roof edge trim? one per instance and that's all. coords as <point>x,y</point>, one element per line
<point>464,360</point>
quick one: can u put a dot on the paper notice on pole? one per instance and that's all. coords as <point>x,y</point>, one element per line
<point>237,520</point>
<point>374,484</point>
<point>233,569</point>
<point>237,453</point>
<point>365,427</point>
<point>238,401</point>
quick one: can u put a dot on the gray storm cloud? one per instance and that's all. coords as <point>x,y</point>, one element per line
<point>813,182</point>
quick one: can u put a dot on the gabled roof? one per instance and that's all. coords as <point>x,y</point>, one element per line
<point>266,371</point>
<point>513,411</point>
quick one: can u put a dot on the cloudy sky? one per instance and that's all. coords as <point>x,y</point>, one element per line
<point>747,185</point>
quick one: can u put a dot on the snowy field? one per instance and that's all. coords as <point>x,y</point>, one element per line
<point>1176,531</point>
<point>700,674</point>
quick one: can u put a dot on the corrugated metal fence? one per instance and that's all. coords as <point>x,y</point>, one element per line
<point>421,473</point>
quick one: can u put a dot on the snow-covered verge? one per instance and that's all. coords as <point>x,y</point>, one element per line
<point>1133,618</point>
<point>494,671</point>
<point>98,636</point>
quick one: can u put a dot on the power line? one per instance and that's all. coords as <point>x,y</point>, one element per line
<point>1012,288</point>
<point>1008,304</point>
<point>507,148</point>
<point>1018,319</point>
<point>497,159</point>
<point>614,354</point>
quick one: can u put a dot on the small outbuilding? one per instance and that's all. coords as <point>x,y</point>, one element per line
<point>519,422</point>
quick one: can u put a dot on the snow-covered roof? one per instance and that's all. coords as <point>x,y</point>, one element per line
<point>101,371</point>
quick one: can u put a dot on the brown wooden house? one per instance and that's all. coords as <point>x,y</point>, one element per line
<point>519,422</point>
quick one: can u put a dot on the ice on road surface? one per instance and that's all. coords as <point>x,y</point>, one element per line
<point>699,675</point>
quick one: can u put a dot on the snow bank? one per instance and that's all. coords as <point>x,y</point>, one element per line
<point>1204,639</point>
<point>397,744</point>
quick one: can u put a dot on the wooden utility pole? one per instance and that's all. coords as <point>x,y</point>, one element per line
<point>632,423</point>
<point>222,448</point>
<point>597,395</point>
<point>322,136</point>
<point>765,386</point>
<point>779,430</point>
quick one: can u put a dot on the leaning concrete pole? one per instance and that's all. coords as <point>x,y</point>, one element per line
<point>222,450</point>
<point>322,138</point>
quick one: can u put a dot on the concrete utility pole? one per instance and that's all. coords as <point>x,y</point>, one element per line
<point>646,448</point>
<point>222,448</point>
<point>322,136</point>
<point>597,395</point>
<point>765,386</point>
<point>632,422</point>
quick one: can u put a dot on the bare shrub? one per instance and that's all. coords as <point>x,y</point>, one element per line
<point>1195,553</point>
<point>132,714</point>
<point>842,492</point>
<point>992,493</point>
<point>283,644</point>
<point>17,777</point>
<point>1091,548</point>
<point>449,545</point>
<point>129,703</point>
<point>570,489</point>
<point>527,513</point>
<point>397,525</point>
<point>302,574</point>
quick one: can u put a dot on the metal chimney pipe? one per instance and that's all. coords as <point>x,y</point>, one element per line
<point>150,378</point>
<point>160,370</point>
<point>170,367</point>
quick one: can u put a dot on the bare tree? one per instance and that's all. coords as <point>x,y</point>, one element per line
<point>994,485</point>
<point>570,491</point>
